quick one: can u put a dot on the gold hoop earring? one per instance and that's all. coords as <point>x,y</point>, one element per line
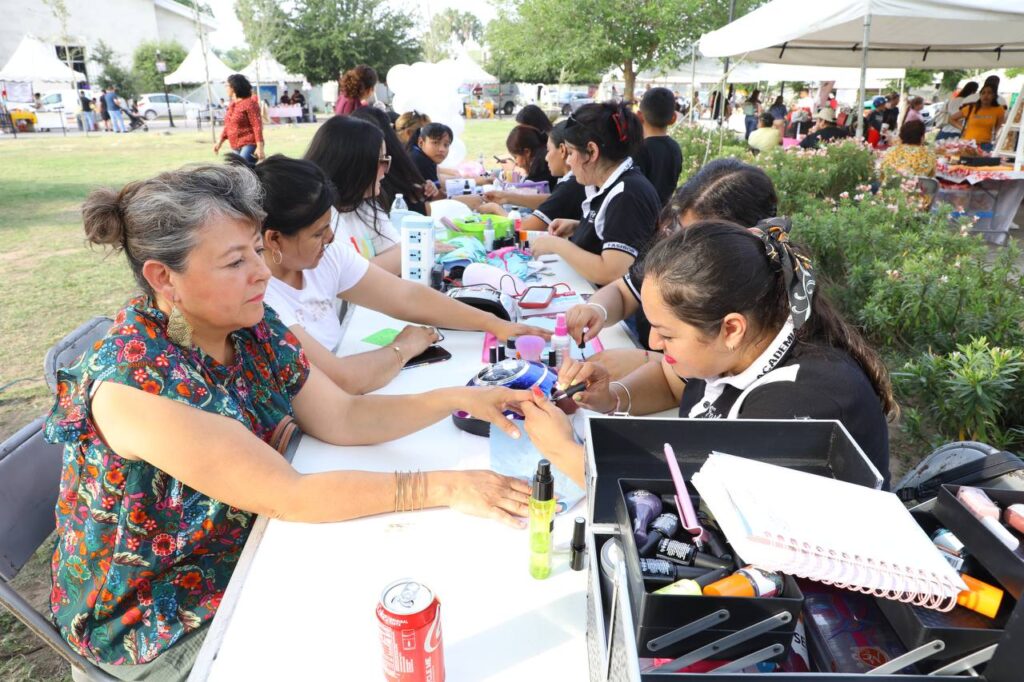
<point>277,256</point>
<point>179,331</point>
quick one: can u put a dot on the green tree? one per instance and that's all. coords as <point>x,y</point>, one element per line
<point>113,72</point>
<point>262,23</point>
<point>580,40</point>
<point>321,38</point>
<point>144,60</point>
<point>449,26</point>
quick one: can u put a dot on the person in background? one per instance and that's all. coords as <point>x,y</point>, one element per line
<point>620,212</point>
<point>528,148</point>
<point>910,157</point>
<point>88,120</point>
<point>174,423</point>
<point>403,177</point>
<point>313,267</point>
<point>299,99</point>
<point>408,125</point>
<point>982,119</point>
<point>891,112</point>
<point>993,82</point>
<point>825,130</point>
<point>222,104</point>
<point>659,157</point>
<point>751,110</point>
<point>352,154</point>
<point>103,112</point>
<point>564,202</point>
<point>431,149</point>
<point>914,107</point>
<point>876,119</point>
<point>723,189</point>
<point>243,124</point>
<point>355,89</point>
<point>967,95</point>
<point>767,137</point>
<point>284,100</point>
<point>533,116</point>
<point>113,102</point>
<point>778,109</point>
<point>745,335</point>
<point>799,125</point>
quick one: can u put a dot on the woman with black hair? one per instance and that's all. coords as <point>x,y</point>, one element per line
<point>402,177</point>
<point>621,209</point>
<point>724,189</point>
<point>528,148</point>
<point>353,155</point>
<point>243,127</point>
<point>744,335</point>
<point>563,202</point>
<point>534,117</point>
<point>312,269</point>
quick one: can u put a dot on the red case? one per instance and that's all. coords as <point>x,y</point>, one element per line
<point>544,304</point>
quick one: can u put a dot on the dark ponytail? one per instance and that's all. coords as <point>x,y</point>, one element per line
<point>715,267</point>
<point>296,193</point>
<point>613,127</point>
<point>724,189</point>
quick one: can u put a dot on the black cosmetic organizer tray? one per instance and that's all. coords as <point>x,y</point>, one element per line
<point>707,618</point>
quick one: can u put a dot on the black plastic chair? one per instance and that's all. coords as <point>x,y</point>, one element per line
<point>29,484</point>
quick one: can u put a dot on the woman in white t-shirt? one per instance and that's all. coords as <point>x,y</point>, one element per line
<point>312,268</point>
<point>353,155</point>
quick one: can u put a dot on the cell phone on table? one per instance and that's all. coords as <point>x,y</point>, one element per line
<point>536,297</point>
<point>429,357</point>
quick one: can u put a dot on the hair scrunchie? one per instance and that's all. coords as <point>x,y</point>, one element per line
<point>797,273</point>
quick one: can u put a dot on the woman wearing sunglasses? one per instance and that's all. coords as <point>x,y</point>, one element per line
<point>312,267</point>
<point>621,207</point>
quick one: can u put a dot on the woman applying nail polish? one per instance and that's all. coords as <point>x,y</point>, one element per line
<point>745,335</point>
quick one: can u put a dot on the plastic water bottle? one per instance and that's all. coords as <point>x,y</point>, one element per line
<point>560,341</point>
<point>398,211</point>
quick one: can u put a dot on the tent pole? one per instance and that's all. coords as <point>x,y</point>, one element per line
<point>863,72</point>
<point>1020,146</point>
<point>693,80</point>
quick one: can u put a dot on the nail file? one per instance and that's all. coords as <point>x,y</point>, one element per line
<point>683,503</point>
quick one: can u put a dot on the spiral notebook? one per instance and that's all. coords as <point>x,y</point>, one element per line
<point>825,530</point>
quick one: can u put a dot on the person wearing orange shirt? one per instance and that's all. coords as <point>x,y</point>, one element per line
<point>981,119</point>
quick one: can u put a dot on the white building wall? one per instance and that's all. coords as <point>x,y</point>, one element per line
<point>121,24</point>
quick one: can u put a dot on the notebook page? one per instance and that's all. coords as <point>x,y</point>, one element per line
<point>754,501</point>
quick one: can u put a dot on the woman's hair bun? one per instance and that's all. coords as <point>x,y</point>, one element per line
<point>103,219</point>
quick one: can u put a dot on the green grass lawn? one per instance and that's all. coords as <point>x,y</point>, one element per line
<point>51,281</point>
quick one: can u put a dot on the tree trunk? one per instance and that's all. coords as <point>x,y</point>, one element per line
<point>629,81</point>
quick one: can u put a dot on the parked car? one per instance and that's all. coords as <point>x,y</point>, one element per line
<point>155,104</point>
<point>571,101</point>
<point>62,103</point>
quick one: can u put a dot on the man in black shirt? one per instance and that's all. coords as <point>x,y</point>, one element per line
<point>659,158</point>
<point>825,131</point>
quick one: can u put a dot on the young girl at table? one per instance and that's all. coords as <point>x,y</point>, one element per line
<point>402,177</point>
<point>313,267</point>
<point>745,335</point>
<point>621,209</point>
<point>724,189</point>
<point>564,202</point>
<point>173,425</point>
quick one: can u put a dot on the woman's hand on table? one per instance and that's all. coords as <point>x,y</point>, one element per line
<point>490,495</point>
<point>505,329</point>
<point>562,227</point>
<point>430,190</point>
<point>496,196</point>
<point>490,208</point>
<point>597,396</point>
<point>490,405</point>
<point>584,316</point>
<point>545,244</point>
<point>414,339</point>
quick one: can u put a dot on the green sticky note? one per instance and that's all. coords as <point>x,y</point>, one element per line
<point>382,337</point>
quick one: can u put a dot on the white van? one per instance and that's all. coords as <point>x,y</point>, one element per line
<point>58,103</point>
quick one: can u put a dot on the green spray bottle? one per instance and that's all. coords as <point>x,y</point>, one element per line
<point>542,520</point>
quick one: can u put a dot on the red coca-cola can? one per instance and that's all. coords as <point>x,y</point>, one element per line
<point>409,622</point>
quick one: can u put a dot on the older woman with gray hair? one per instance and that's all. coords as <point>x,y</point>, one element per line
<point>173,422</point>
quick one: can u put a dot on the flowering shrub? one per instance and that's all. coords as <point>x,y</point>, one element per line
<point>700,145</point>
<point>804,177</point>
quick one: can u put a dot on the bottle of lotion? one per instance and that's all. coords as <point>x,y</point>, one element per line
<point>542,520</point>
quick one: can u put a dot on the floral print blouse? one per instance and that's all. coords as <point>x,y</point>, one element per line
<point>141,558</point>
<point>908,159</point>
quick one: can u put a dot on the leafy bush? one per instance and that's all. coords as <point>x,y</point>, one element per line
<point>973,393</point>
<point>803,177</point>
<point>700,145</point>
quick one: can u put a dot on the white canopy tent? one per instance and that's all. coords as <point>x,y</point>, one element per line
<point>192,70</point>
<point>266,69</point>
<point>468,71</point>
<point>926,34</point>
<point>35,61</point>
